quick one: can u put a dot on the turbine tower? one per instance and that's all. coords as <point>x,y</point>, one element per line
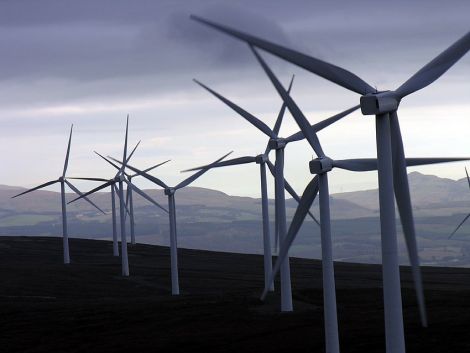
<point>278,144</point>
<point>170,193</point>
<point>391,161</point>
<point>63,181</point>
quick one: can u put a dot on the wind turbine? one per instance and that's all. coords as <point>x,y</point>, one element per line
<point>114,191</point>
<point>278,144</point>
<point>120,180</point>
<point>122,208</point>
<point>170,193</point>
<point>113,201</point>
<point>466,217</point>
<point>262,160</point>
<point>63,181</point>
<point>130,198</point>
<point>319,184</point>
<point>390,158</point>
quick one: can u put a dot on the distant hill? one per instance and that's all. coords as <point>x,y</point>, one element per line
<point>430,195</point>
<point>213,220</point>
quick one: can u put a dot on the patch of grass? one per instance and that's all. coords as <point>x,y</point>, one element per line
<point>25,220</point>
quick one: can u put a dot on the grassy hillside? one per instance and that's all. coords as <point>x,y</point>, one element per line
<point>87,306</point>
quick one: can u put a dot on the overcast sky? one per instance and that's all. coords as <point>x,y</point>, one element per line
<point>91,62</point>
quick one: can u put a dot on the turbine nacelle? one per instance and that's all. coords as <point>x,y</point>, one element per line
<point>277,143</point>
<point>321,165</point>
<point>379,103</point>
<point>261,159</point>
<point>169,191</point>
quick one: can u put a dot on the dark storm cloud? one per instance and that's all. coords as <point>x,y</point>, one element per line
<point>68,44</point>
<point>92,41</point>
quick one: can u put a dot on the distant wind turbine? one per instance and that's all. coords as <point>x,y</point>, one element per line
<point>262,160</point>
<point>63,181</point>
<point>129,210</point>
<point>120,180</point>
<point>278,144</point>
<point>392,175</point>
<point>170,192</point>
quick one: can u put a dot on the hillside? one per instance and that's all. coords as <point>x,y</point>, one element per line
<point>88,307</point>
<point>430,195</point>
<point>213,220</point>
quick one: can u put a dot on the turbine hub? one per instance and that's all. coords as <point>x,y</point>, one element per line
<point>261,159</point>
<point>379,103</point>
<point>61,179</point>
<point>169,191</point>
<point>321,165</point>
<point>277,143</point>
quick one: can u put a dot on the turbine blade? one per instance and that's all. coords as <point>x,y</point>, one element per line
<point>305,203</point>
<point>230,162</point>
<point>107,160</point>
<point>321,68</point>
<point>277,125</point>
<point>144,174</point>
<point>322,124</point>
<point>436,67</point>
<point>132,153</point>
<point>193,177</point>
<point>402,196</point>
<point>152,167</point>
<point>369,164</point>
<point>145,196</point>
<point>66,164</point>
<point>124,157</point>
<point>296,197</point>
<point>78,192</point>
<point>458,227</point>
<point>468,179</point>
<point>98,188</point>
<point>249,117</point>
<point>357,164</point>
<point>301,120</point>
<point>37,187</point>
<point>433,160</point>
<point>91,179</point>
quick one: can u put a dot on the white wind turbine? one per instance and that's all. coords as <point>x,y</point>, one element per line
<point>114,192</point>
<point>120,179</point>
<point>319,184</point>
<point>278,144</point>
<point>63,181</point>
<point>170,193</point>
<point>113,189</point>
<point>391,161</point>
<point>262,160</point>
